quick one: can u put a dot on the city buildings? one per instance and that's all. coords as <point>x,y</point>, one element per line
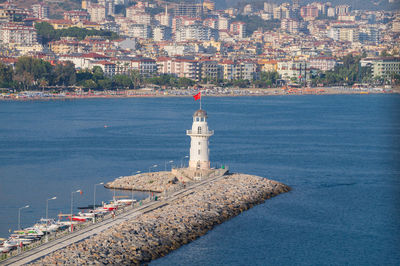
<point>195,40</point>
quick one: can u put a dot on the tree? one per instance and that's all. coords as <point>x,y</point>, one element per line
<point>185,82</point>
<point>136,78</point>
<point>64,74</point>
<point>121,81</point>
<point>6,75</point>
<point>30,70</point>
<point>45,32</point>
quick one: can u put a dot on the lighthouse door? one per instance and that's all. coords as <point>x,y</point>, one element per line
<point>198,165</point>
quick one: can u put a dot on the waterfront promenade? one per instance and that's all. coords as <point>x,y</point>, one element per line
<point>74,237</point>
<point>154,229</point>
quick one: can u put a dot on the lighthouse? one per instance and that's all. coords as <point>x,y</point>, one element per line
<point>199,135</point>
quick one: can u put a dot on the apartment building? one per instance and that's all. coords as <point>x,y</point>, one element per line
<point>40,11</point>
<point>179,66</point>
<point>291,69</point>
<point>383,67</point>
<point>13,33</point>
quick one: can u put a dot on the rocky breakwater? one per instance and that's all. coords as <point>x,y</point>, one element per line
<point>153,182</point>
<point>154,234</point>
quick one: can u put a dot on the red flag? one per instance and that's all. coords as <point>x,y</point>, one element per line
<point>197,96</point>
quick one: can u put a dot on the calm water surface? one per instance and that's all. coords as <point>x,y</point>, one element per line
<point>340,154</point>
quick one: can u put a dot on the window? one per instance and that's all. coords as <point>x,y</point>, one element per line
<point>199,130</point>
<point>199,152</point>
<point>199,143</point>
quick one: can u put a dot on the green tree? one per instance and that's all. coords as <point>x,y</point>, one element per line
<point>30,70</point>
<point>6,75</point>
<point>136,78</point>
<point>64,74</point>
<point>185,82</point>
<point>45,32</point>
<point>122,81</point>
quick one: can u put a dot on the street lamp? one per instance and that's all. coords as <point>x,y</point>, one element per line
<point>165,166</point>
<point>47,216</point>
<point>154,166</point>
<point>72,199</point>
<point>94,200</point>
<point>47,207</point>
<point>19,216</point>
<point>187,156</point>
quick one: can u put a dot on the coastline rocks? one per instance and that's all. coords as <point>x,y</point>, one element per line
<point>154,234</point>
<point>152,182</point>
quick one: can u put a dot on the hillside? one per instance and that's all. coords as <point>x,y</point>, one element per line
<point>57,7</point>
<point>355,4</point>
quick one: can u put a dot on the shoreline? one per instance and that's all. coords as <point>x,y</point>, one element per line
<point>178,221</point>
<point>177,96</point>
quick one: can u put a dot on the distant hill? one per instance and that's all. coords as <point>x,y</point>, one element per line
<point>57,7</point>
<point>355,4</point>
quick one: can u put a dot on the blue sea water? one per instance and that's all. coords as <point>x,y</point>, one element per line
<point>339,153</point>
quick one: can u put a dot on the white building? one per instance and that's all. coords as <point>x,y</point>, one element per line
<point>223,23</point>
<point>194,32</point>
<point>12,33</point>
<point>297,70</point>
<point>383,67</point>
<point>97,13</point>
<point>40,11</point>
<point>199,135</point>
<point>162,33</point>
<point>164,19</point>
<point>139,31</point>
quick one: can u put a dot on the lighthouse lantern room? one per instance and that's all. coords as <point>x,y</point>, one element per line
<point>199,135</point>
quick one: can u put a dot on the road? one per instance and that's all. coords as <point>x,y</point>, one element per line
<point>45,249</point>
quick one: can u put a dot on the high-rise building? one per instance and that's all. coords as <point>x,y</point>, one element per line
<point>191,9</point>
<point>162,33</point>
<point>281,12</point>
<point>269,7</point>
<point>13,33</point>
<point>295,4</point>
<point>309,12</point>
<point>208,5</point>
<point>290,25</point>
<point>238,28</point>
<point>342,10</point>
<point>40,11</point>
<point>97,12</point>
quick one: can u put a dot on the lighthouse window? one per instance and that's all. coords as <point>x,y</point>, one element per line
<point>199,152</point>
<point>199,130</point>
<point>199,143</point>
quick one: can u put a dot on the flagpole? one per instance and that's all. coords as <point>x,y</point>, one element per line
<point>200,100</point>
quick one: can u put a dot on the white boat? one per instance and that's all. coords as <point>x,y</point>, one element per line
<point>125,201</point>
<point>47,225</point>
<point>11,243</point>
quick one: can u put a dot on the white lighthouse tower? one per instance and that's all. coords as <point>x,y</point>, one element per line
<point>199,135</point>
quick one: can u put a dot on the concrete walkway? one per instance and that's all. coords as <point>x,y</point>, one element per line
<point>45,249</point>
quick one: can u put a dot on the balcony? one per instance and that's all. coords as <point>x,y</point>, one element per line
<point>196,133</point>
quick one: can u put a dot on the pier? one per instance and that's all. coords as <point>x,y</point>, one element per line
<point>157,227</point>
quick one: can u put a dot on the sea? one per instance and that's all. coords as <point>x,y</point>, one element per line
<point>339,154</point>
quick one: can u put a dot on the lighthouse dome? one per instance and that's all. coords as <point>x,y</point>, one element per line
<point>200,113</point>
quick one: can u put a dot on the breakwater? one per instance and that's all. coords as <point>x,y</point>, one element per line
<point>179,221</point>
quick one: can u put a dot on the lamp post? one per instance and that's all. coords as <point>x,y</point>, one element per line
<point>19,216</point>
<point>94,200</point>
<point>72,199</point>
<point>47,215</point>
<point>154,166</point>
<point>47,207</point>
<point>165,166</point>
<point>187,156</point>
